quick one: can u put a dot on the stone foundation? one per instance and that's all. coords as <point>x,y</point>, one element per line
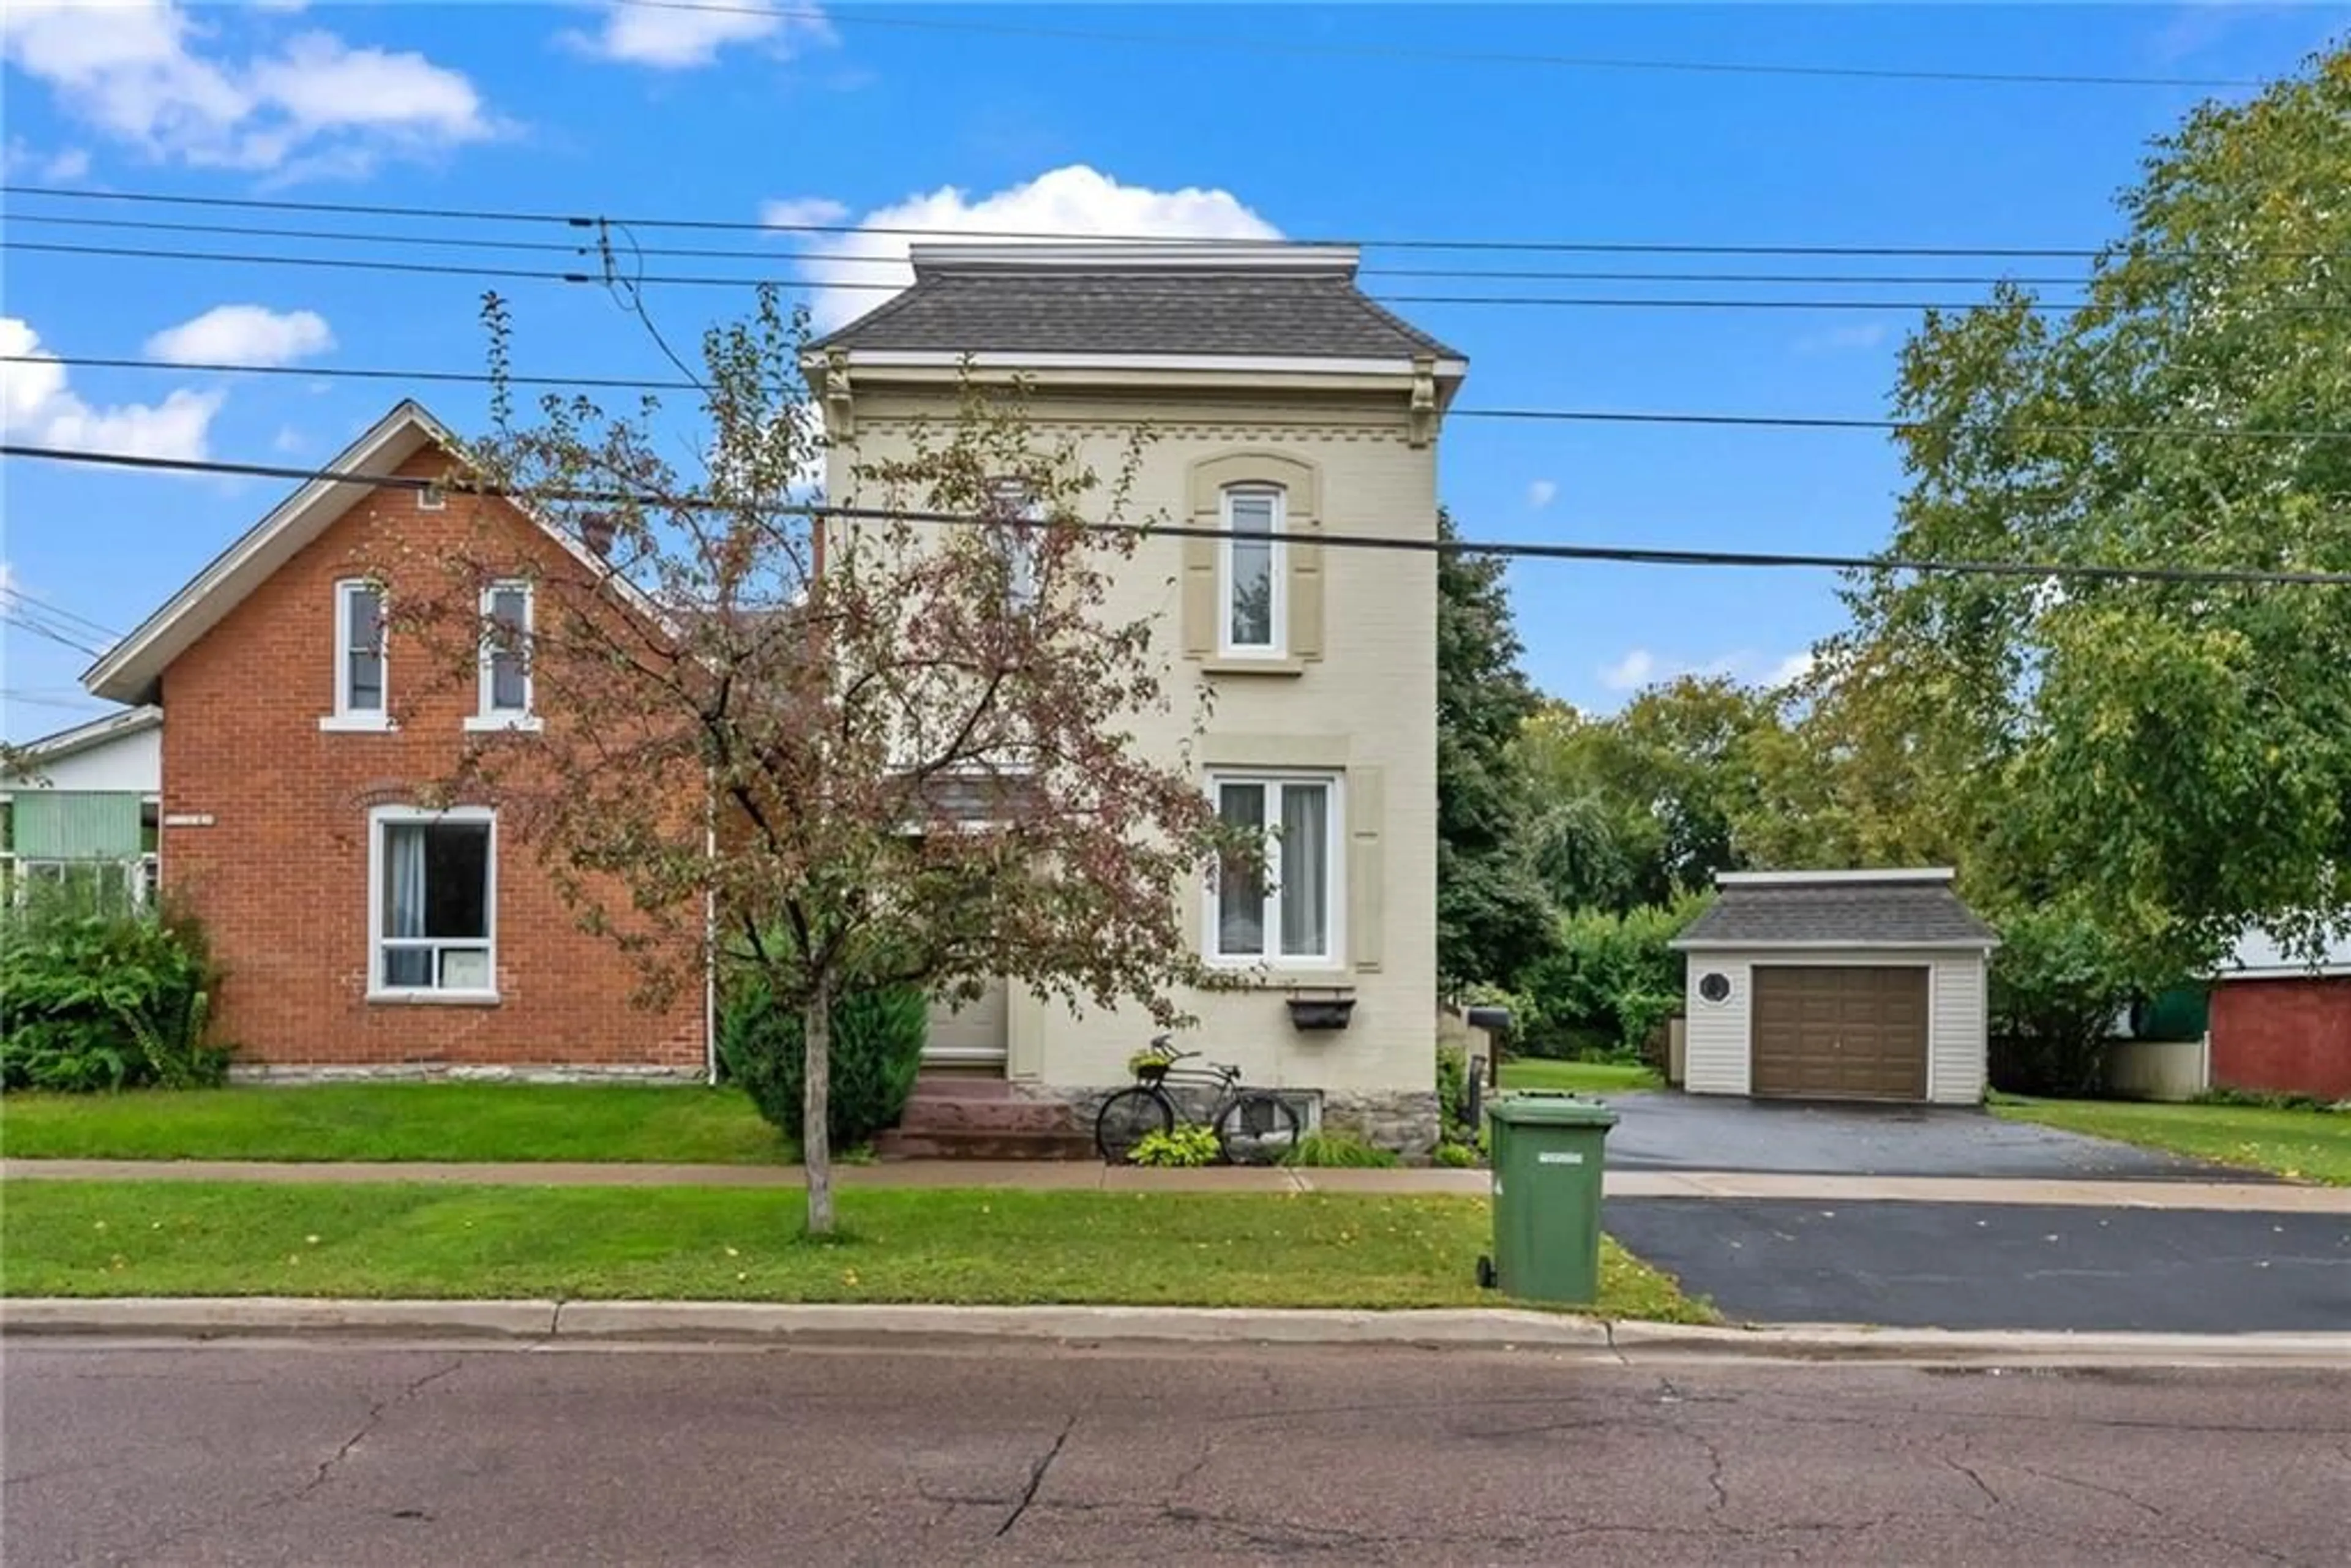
<point>434,1072</point>
<point>1404,1121</point>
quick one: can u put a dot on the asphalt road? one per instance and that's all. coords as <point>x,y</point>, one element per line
<point>347,1454</point>
<point>1999,1266</point>
<point>1715,1133</point>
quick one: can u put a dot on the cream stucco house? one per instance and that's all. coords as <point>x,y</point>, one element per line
<point>1282,403</point>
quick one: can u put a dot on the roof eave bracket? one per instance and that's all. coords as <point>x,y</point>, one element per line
<point>840,396</point>
<point>1422,428</point>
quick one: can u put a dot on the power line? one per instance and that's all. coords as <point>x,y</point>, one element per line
<point>1537,416</point>
<point>58,612</point>
<point>827,258</point>
<point>747,225</point>
<point>40,629</point>
<point>1505,550</point>
<point>689,281</point>
<point>1232,41</point>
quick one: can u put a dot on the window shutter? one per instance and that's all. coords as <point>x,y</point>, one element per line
<point>1366,866</point>
<point>1199,588</point>
<point>1305,589</point>
<point>77,825</point>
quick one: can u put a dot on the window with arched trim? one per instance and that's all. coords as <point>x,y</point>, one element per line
<point>1251,597</point>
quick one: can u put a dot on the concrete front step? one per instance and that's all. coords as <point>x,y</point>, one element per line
<point>934,1081</point>
<point>985,1144</point>
<point>931,1113</point>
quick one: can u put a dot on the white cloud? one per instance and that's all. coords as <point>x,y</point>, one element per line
<point>671,40</point>
<point>1073,202</point>
<point>1640,668</point>
<point>243,335</point>
<point>1541,492</point>
<point>59,168</point>
<point>1850,338</point>
<point>288,440</point>
<point>787,214</point>
<point>143,72</point>
<point>37,406</point>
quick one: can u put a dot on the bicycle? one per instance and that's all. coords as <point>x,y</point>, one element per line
<point>1253,1127</point>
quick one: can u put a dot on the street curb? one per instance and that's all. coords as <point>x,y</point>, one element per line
<point>590,1323</point>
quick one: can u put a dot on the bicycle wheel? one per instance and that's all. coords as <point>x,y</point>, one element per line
<point>1258,1127</point>
<point>1126,1118</point>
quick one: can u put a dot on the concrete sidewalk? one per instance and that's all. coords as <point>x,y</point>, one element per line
<point>1087,1177</point>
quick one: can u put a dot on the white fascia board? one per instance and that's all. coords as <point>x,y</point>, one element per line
<point>1811,878</point>
<point>1220,364</point>
<point>1707,945</point>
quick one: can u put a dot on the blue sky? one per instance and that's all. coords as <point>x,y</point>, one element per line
<point>720,115</point>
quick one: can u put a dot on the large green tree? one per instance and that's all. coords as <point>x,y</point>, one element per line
<point>2177,754</point>
<point>1493,918</point>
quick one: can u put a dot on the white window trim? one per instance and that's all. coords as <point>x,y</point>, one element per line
<point>432,498</point>
<point>1017,546</point>
<point>347,718</point>
<point>1335,850</point>
<point>1277,567</point>
<point>377,990</point>
<point>484,717</point>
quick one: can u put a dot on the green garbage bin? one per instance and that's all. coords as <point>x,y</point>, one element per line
<point>1549,1151</point>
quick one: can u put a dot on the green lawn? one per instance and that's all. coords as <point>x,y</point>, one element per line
<point>396,1122</point>
<point>1582,1077</point>
<point>206,1239</point>
<point>2307,1145</point>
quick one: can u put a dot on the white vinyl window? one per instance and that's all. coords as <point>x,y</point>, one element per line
<point>362,698</point>
<point>1013,532</point>
<point>433,903</point>
<point>1251,607</point>
<point>506,683</point>
<point>1288,913</point>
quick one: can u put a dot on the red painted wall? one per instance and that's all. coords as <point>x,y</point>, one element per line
<point>2291,1036</point>
<point>279,876</point>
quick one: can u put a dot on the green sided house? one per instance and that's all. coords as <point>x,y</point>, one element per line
<point>80,809</point>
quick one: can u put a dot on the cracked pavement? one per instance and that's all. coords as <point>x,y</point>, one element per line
<point>360,1452</point>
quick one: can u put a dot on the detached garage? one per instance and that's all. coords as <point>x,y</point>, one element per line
<point>1854,984</point>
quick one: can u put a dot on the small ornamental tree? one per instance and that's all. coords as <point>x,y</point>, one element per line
<point>835,748</point>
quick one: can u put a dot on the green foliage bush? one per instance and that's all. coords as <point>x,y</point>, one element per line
<point>1452,1088</point>
<point>2270,1100</point>
<point>96,1001</point>
<point>1181,1147</point>
<point>2059,979</point>
<point>1338,1149</point>
<point>1611,981</point>
<point>1456,1156</point>
<point>877,1049</point>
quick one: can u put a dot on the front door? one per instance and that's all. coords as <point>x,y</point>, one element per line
<point>969,1036</point>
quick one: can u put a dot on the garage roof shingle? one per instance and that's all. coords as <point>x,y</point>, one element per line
<point>1304,304</point>
<point>1838,910</point>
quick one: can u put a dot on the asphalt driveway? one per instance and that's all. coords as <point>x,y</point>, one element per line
<point>1668,1132</point>
<point>1998,1266</point>
<point>1962,1265</point>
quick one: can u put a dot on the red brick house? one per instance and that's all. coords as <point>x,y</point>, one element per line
<point>2282,1025</point>
<point>362,933</point>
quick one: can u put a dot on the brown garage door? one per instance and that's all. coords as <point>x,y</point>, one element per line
<point>1840,1034</point>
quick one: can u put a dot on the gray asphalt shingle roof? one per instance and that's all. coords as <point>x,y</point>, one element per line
<point>1924,913</point>
<point>1000,309</point>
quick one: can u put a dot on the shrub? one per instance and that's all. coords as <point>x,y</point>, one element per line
<point>1609,984</point>
<point>877,1049</point>
<point>1337,1148</point>
<point>1452,1088</point>
<point>1457,1156</point>
<point>2059,980</point>
<point>1182,1146</point>
<point>2268,1100</point>
<point>93,1001</point>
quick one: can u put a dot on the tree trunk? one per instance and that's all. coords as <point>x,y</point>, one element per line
<point>816,1138</point>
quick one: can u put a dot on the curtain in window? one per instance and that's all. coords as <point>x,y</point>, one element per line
<point>404,905</point>
<point>1240,894</point>
<point>1305,889</point>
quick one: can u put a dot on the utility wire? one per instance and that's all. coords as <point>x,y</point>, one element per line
<point>58,612</point>
<point>1537,416</point>
<point>827,258</point>
<point>1522,301</point>
<point>39,629</point>
<point>1234,41</point>
<point>747,225</point>
<point>1504,549</point>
